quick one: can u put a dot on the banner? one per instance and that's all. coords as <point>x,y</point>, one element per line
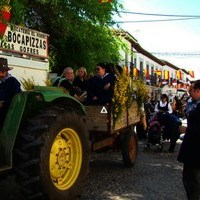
<point>146,73</point>
<point>126,69</point>
<point>135,72</point>
<point>191,73</point>
<point>179,75</point>
<point>166,74</point>
<point>5,17</point>
<point>158,72</point>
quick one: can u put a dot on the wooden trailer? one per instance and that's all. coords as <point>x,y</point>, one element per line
<point>105,133</point>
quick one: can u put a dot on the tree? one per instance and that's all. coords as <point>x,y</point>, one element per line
<point>80,31</point>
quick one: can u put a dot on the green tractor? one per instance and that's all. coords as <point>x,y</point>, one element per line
<point>45,140</point>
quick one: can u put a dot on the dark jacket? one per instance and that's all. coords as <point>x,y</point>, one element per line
<point>8,88</point>
<point>190,148</point>
<point>63,82</point>
<point>96,88</point>
<point>82,84</point>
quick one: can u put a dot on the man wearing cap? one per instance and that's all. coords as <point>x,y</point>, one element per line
<point>9,86</point>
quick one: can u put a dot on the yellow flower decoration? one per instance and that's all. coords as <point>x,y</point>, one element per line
<point>141,91</point>
<point>121,94</point>
<point>126,91</point>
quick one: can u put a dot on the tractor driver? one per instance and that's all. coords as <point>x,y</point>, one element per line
<point>9,86</point>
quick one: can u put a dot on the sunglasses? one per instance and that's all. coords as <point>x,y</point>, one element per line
<point>97,68</point>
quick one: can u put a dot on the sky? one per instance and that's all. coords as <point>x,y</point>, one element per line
<point>182,37</point>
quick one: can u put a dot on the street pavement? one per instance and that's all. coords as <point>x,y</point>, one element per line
<point>156,176</point>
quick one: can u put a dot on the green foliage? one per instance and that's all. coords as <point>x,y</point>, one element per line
<point>80,31</point>
<point>18,11</point>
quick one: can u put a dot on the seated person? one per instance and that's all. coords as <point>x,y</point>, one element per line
<point>80,82</point>
<point>66,81</point>
<point>9,86</point>
<point>101,86</point>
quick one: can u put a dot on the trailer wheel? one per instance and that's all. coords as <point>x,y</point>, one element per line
<point>52,155</point>
<point>129,148</point>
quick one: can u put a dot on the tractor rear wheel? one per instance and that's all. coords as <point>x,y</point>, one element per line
<point>52,155</point>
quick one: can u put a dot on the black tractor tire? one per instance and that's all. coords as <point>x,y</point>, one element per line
<point>129,148</point>
<point>51,155</point>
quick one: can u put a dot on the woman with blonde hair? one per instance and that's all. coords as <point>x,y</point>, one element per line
<point>80,81</point>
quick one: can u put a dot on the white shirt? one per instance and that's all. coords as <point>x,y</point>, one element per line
<point>163,104</point>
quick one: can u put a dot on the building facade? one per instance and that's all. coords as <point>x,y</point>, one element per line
<point>143,64</point>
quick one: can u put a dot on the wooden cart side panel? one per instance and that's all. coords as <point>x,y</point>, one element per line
<point>97,118</point>
<point>100,118</point>
<point>128,117</point>
<point>121,122</point>
<point>133,114</point>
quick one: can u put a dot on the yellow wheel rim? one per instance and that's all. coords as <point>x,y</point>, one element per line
<point>65,159</point>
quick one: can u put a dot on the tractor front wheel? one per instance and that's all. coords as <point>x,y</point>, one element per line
<point>52,155</point>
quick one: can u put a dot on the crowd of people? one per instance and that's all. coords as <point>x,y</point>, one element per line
<point>168,114</point>
<point>98,89</point>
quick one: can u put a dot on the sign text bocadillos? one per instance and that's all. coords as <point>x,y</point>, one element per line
<point>26,41</point>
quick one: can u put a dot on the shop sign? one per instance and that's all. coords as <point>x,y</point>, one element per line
<point>25,41</point>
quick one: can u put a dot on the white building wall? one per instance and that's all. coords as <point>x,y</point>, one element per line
<point>146,61</point>
<point>24,68</point>
<point>139,58</point>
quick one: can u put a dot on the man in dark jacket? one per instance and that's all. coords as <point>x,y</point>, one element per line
<point>9,86</point>
<point>190,148</point>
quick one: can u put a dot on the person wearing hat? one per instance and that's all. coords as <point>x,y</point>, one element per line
<point>101,86</point>
<point>163,105</point>
<point>9,86</point>
<point>166,118</point>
